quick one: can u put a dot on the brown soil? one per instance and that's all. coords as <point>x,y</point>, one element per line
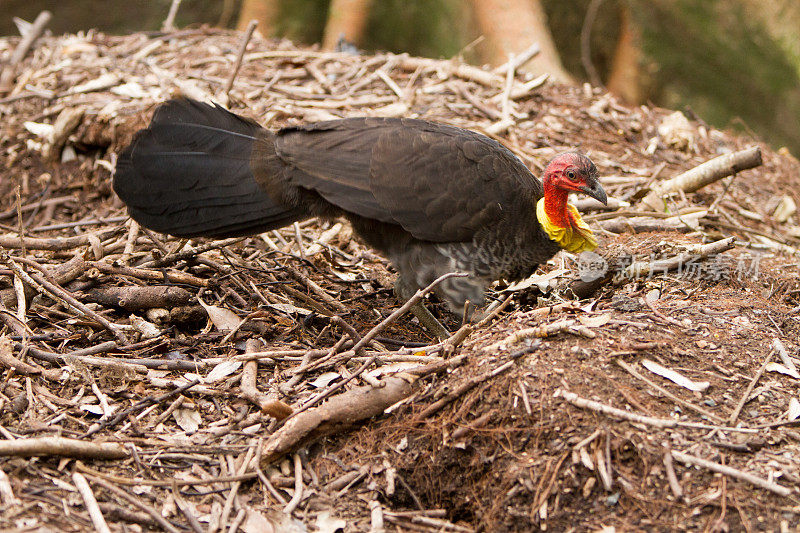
<point>501,456</point>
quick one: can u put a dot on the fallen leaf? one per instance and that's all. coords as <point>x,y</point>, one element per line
<point>39,129</point>
<point>785,209</point>
<point>256,523</point>
<point>289,309</point>
<point>147,329</point>
<point>325,379</point>
<point>92,408</point>
<point>594,321</point>
<point>188,420</point>
<point>536,280</point>
<point>222,370</point>
<point>223,319</point>
<point>675,377</point>
<point>391,369</point>
<point>328,524</point>
<point>794,409</point>
<point>346,276</point>
<point>777,367</point>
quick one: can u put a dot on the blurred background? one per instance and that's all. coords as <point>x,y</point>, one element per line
<point>732,63</point>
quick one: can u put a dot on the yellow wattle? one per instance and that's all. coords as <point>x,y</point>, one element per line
<point>573,239</point>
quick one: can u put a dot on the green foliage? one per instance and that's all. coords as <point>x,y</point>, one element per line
<point>302,20</point>
<point>566,19</point>
<point>709,55</point>
<point>428,28</point>
<point>112,16</point>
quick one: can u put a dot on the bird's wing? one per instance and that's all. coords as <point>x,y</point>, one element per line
<point>438,182</point>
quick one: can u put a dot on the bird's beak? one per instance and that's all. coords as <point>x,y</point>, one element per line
<point>595,190</point>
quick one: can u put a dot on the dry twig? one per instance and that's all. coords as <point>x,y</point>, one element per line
<point>705,174</point>
<point>89,500</point>
<point>732,472</point>
<point>62,447</point>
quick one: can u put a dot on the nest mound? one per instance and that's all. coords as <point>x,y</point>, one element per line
<point>667,401</point>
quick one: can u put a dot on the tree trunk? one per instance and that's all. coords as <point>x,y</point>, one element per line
<point>348,19</point>
<point>625,78</point>
<point>264,11</point>
<point>511,26</point>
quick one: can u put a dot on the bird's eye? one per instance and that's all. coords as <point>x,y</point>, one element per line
<point>571,175</point>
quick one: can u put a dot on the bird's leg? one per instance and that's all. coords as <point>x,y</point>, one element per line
<point>470,310</point>
<point>428,321</point>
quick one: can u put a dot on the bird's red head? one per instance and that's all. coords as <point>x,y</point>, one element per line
<point>569,172</point>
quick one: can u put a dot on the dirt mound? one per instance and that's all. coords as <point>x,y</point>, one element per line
<point>667,399</point>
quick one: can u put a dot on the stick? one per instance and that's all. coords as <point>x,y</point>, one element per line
<point>140,297</point>
<point>174,276</point>
<point>750,386</point>
<point>298,486</point>
<point>316,289</point>
<point>138,407</point>
<point>467,72</point>
<point>62,447</point>
<point>53,244</point>
<point>639,269</point>
<point>226,509</point>
<point>44,286</point>
<point>248,33</point>
<point>163,483</point>
<point>135,502</point>
<point>339,412</point>
<point>674,485</point>
<point>271,406</point>
<point>732,472</point>
<point>546,330</point>
<point>704,174</point>
<point>516,61</point>
<point>33,33</point>
<point>91,503</point>
<point>468,385</point>
<point>185,509</point>
<point>8,360</point>
<point>592,405</point>
<point>6,492</point>
<point>190,253</point>
<point>376,516</point>
<point>371,334</point>
<point>169,22</point>
<point>784,355</point>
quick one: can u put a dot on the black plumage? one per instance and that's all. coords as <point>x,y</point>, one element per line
<point>433,198</point>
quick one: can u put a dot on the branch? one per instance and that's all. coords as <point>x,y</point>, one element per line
<point>33,33</point>
<point>598,407</point>
<point>272,406</point>
<point>704,174</point>
<point>62,447</point>
<point>732,472</point>
<point>339,412</point>
<point>643,268</point>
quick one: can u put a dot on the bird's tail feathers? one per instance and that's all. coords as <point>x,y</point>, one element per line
<point>190,174</point>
